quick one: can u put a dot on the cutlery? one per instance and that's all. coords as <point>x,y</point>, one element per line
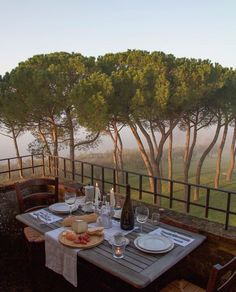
<point>169,236</point>
<point>175,235</point>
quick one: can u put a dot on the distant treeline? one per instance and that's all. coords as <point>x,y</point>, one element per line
<point>58,95</point>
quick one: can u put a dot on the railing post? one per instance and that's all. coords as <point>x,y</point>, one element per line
<point>140,186</point>
<point>44,174</point>
<point>32,163</point>
<point>155,190</point>
<point>9,168</point>
<point>64,167</point>
<point>207,202</point>
<point>188,199</point>
<point>82,172</point>
<point>21,167</point>
<point>91,174</point>
<point>73,169</point>
<point>171,195</point>
<point>114,180</point>
<point>103,179</point>
<point>227,211</point>
<point>127,177</point>
<point>49,164</point>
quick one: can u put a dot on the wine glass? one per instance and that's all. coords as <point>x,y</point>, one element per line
<point>70,198</point>
<point>142,213</point>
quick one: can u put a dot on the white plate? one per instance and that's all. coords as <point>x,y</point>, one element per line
<point>62,208</point>
<point>154,252</point>
<point>154,242</point>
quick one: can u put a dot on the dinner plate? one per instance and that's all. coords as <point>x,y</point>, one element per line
<point>153,251</point>
<point>154,242</point>
<point>61,208</point>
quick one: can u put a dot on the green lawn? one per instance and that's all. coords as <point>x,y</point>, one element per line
<point>217,199</point>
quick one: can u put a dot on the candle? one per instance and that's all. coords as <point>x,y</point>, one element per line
<point>118,250</point>
<point>97,194</point>
<point>112,198</point>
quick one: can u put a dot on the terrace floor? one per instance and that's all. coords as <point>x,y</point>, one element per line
<point>17,275</point>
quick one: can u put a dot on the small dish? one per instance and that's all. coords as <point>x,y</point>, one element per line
<point>61,208</point>
<point>154,242</point>
<point>152,251</point>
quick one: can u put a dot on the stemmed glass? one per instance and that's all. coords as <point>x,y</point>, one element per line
<point>142,213</point>
<point>70,198</point>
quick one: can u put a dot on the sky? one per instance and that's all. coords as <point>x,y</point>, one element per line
<point>203,29</point>
<point>185,28</point>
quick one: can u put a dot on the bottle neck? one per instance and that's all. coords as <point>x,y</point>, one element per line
<point>128,191</point>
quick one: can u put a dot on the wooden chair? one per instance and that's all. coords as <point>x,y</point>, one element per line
<point>221,279</point>
<point>35,194</point>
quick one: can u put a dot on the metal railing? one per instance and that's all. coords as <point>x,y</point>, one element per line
<point>85,172</point>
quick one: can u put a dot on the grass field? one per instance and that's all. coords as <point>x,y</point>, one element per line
<point>134,163</point>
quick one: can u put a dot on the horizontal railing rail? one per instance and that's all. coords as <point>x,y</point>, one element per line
<point>87,172</point>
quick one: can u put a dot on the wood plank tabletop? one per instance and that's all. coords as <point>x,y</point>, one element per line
<point>137,268</point>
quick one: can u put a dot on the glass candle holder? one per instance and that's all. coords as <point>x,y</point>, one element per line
<point>118,250</point>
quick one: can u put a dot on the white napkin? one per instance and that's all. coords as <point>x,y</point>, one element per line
<point>59,258</point>
<point>110,232</point>
<point>45,216</point>
<point>177,238</point>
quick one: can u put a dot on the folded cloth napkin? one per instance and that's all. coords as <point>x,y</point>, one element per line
<point>45,216</point>
<point>59,258</point>
<point>110,232</point>
<point>177,238</point>
<point>89,218</point>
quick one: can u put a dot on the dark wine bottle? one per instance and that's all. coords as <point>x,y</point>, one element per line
<point>127,214</point>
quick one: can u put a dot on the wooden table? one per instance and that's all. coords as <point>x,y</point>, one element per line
<point>137,269</point>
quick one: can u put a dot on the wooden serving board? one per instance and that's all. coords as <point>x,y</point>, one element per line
<point>94,241</point>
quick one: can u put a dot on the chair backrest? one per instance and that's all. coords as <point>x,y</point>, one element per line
<point>223,278</point>
<point>33,198</point>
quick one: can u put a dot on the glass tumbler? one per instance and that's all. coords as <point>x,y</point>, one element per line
<point>155,219</point>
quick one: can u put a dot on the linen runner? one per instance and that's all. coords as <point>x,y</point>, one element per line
<point>59,258</point>
<point>62,259</point>
<point>110,232</point>
<point>178,238</point>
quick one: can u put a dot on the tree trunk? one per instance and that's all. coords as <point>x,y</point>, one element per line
<point>219,155</point>
<point>164,136</point>
<point>120,157</point>
<point>170,162</point>
<point>188,160</point>
<point>71,141</point>
<point>144,155</point>
<point>202,158</point>
<point>117,151</point>
<point>187,142</point>
<point>19,161</point>
<point>232,155</point>
<point>43,139</point>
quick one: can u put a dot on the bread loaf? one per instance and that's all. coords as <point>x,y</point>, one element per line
<point>95,231</point>
<point>89,218</point>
